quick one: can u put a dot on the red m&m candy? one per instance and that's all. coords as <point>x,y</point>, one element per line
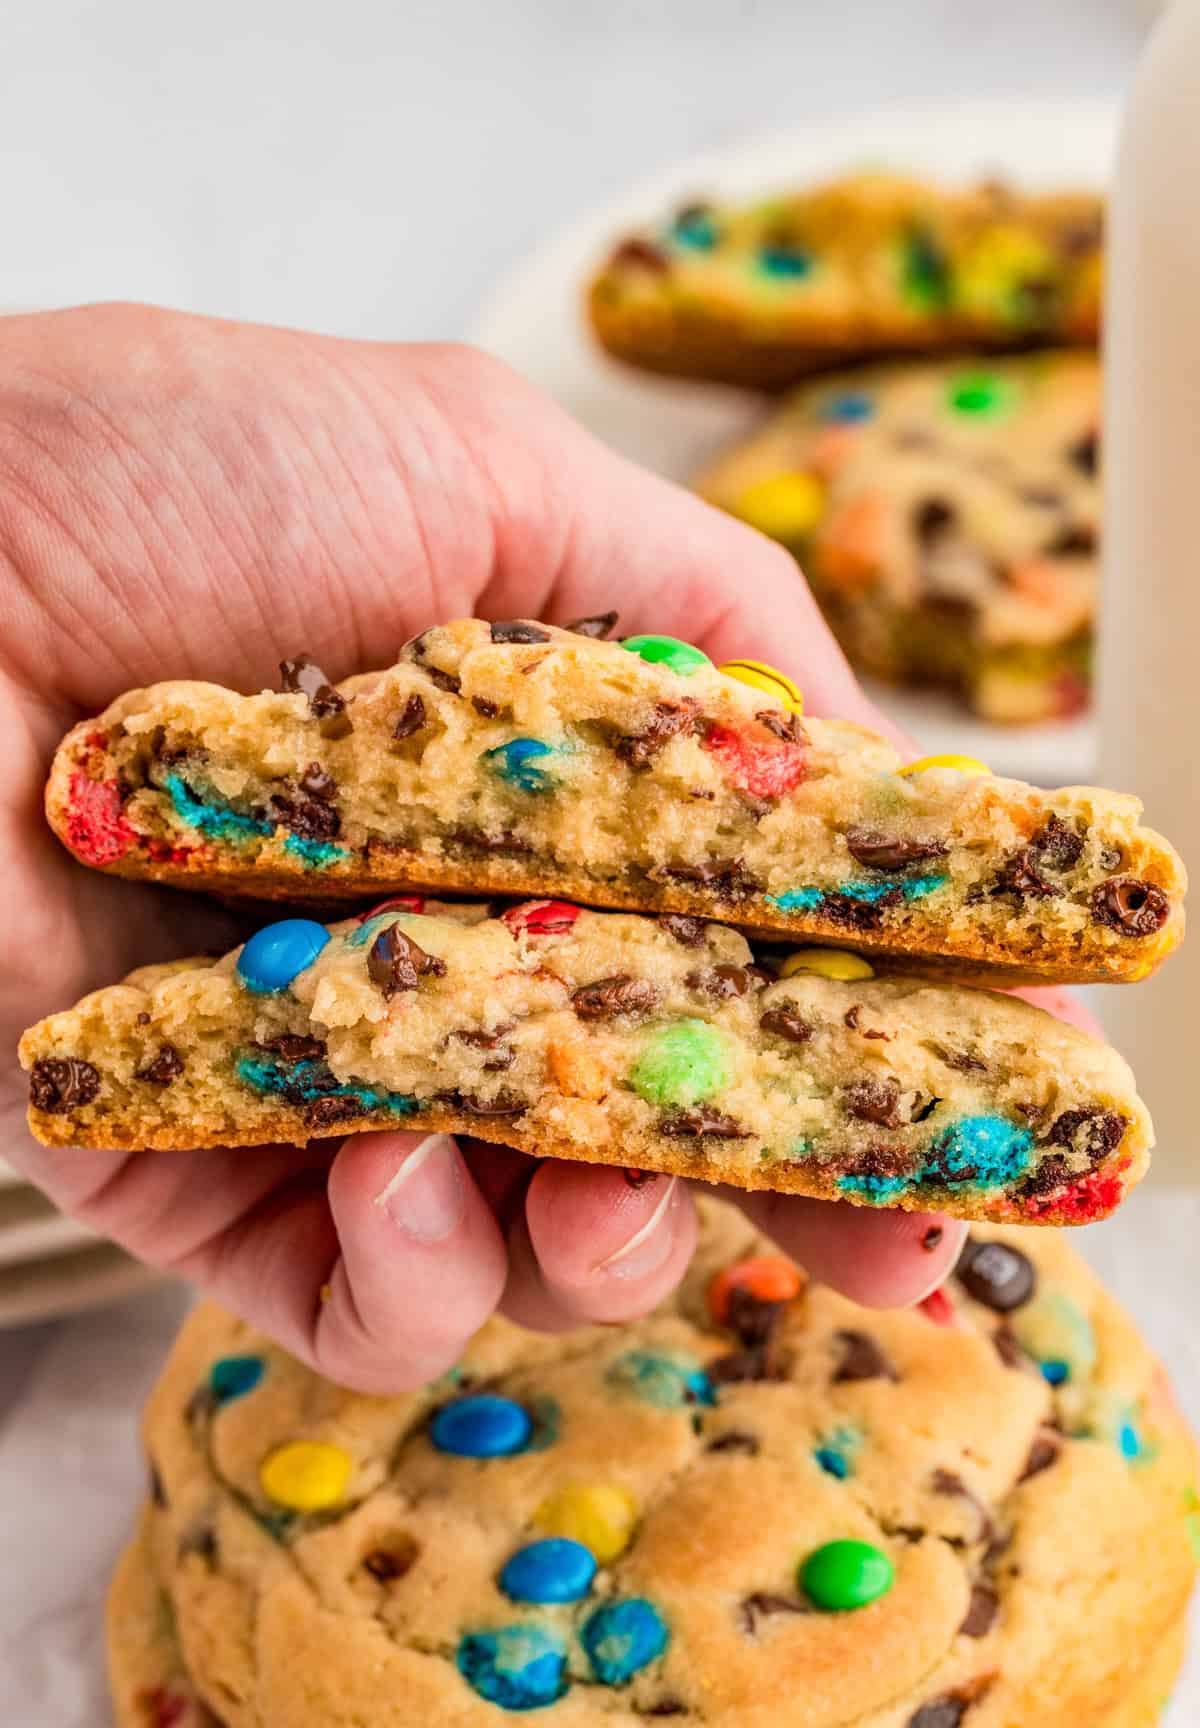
<point>767,1279</point>
<point>764,767</point>
<point>97,831</point>
<point>413,903</point>
<point>541,917</point>
<point>938,1307</point>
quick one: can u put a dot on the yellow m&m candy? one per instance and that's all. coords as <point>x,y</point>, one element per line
<point>306,1475</point>
<point>970,765</point>
<point>765,678</point>
<point>785,506</point>
<point>601,1515</point>
<point>827,963</point>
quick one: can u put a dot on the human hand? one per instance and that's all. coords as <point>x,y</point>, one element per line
<point>181,497</point>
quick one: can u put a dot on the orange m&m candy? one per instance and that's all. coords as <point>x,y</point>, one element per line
<point>767,1279</point>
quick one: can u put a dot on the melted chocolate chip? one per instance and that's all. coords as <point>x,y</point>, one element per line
<point>667,720</point>
<point>786,1023</point>
<point>785,726</point>
<point>1076,540</point>
<point>1042,1454</point>
<point>862,1358</point>
<point>981,1613</point>
<point>292,1047</point>
<point>722,982</point>
<point>481,705</point>
<point>310,818</point>
<point>501,1056</point>
<point>61,1083</point>
<point>1052,1173</point>
<point>761,1604</point>
<point>1057,844</point>
<point>996,1275</point>
<point>932,520</point>
<point>503,1104</point>
<point>946,1712</point>
<point>315,782</point>
<point>163,1067</point>
<point>1007,1348</point>
<point>597,627</point>
<point>388,1564</point>
<point>875,1101</point>
<point>1130,906</point>
<point>1085,454</point>
<point>412,718</point>
<point>702,1123</point>
<point>477,841</point>
<point>665,1707</point>
<point>620,996</point>
<point>758,1326</point>
<point>325,1112</point>
<point>1092,1130</point>
<point>859,914</point>
<point>879,851</point>
<point>853,1019</point>
<point>963,1061</point>
<point>518,630</point>
<point>642,255</point>
<point>689,932</point>
<point>948,1483</point>
<point>727,875</point>
<point>302,676</point>
<point>735,1440</point>
<point>1021,875</point>
<point>448,681</point>
<point>396,962</point>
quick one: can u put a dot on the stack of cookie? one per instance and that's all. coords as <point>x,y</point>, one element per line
<point>944,510</point>
<point>929,1508</point>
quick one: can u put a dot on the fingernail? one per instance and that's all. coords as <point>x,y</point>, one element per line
<point>426,1197</point>
<point>649,1246</point>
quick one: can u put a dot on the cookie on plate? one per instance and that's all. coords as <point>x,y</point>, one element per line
<point>765,293</point>
<point>947,517</point>
<point>608,1038</point>
<point>517,758</point>
<point>758,1507</point>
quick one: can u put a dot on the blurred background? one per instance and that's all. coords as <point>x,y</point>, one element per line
<point>447,169</point>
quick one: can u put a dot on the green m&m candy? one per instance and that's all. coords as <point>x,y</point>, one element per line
<point>667,651</point>
<point>845,1575</point>
<point>979,393</point>
<point>681,1065</point>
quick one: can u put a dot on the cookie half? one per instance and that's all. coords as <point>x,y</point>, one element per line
<point>607,1038</point>
<point>523,759</point>
<point>765,293</point>
<point>758,1507</point>
<point>947,516</point>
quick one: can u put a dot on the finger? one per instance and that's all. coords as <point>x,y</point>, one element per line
<point>883,1259</point>
<point>1064,1005</point>
<point>422,1262</point>
<point>597,1244</point>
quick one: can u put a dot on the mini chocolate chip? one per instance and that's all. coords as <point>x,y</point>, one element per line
<point>448,681</point>
<point>996,1274</point>
<point>853,1019</point>
<point>597,627</point>
<point>61,1083</point>
<point>862,1358</point>
<point>481,705</point>
<point>334,1107</point>
<point>755,1321</point>
<point>163,1067</point>
<point>859,914</point>
<point>501,1056</point>
<point>932,1238</point>
<point>518,630</point>
<point>642,255</point>
<point>786,1023</point>
<point>933,519</point>
<point>877,851</point>
<point>701,1123</point>
<point>294,1047</point>
<point>1076,540</point>
<point>143,1018</point>
<point>309,818</point>
<point>946,1712</point>
<point>785,726</point>
<point>881,1162</point>
<point>1007,1348</point>
<point>963,1061</point>
<point>1042,1454</point>
<point>477,841</point>
<point>687,931</point>
<point>1020,874</point>
<point>614,998</point>
<point>875,1101</point>
<point>1085,454</point>
<point>1057,844</point>
<point>667,720</point>
<point>1051,1174</point>
<point>396,962</point>
<point>728,875</point>
<point>735,1440</point>
<point>981,1613</point>
<point>721,982</point>
<point>761,1604</point>
<point>950,1484</point>
<point>503,1104</point>
<point>1130,906</point>
<point>1091,1130</point>
<point>665,1707</point>
<point>412,718</point>
<point>387,1564</point>
<point>302,676</point>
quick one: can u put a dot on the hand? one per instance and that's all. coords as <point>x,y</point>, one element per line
<point>186,498</point>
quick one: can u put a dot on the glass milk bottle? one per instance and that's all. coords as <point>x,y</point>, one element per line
<point>1150,630</point>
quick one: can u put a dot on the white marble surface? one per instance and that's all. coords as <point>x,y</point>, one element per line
<point>367,168</point>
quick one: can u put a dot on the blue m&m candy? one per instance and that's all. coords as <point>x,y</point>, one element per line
<point>785,261</point>
<point>274,956</point>
<point>484,1426</point>
<point>553,1570</point>
<point>623,1637</point>
<point>516,1667</point>
<point>233,1376</point>
<point>848,406</point>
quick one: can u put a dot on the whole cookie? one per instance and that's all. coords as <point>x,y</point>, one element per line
<point>760,1505</point>
<point>947,516</point>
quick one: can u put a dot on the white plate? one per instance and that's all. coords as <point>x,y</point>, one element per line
<point>69,1283</point>
<point>534,320</point>
<point>32,1227</point>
